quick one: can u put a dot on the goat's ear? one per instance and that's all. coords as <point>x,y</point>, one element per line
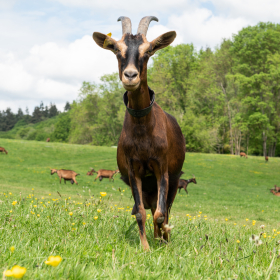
<point>163,41</point>
<point>104,41</point>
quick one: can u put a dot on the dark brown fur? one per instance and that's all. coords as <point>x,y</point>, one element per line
<point>275,193</point>
<point>266,158</point>
<point>67,175</point>
<point>2,150</point>
<point>48,140</point>
<point>151,149</point>
<point>90,173</point>
<point>183,184</point>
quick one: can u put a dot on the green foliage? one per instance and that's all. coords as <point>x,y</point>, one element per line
<point>62,128</point>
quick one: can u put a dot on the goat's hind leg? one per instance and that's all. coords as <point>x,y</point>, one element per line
<point>160,214</point>
<point>138,210</point>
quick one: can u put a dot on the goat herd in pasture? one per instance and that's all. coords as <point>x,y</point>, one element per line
<point>151,148</point>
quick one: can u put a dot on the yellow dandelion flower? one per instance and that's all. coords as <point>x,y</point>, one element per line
<point>95,218</point>
<point>226,219</point>
<point>16,272</point>
<point>99,210</point>
<point>237,241</point>
<point>12,249</point>
<point>247,220</point>
<point>53,260</point>
<point>274,229</point>
<point>84,223</point>
<point>34,206</point>
<point>187,215</point>
<point>73,224</point>
<point>200,212</point>
<point>205,216</point>
<point>38,215</point>
<point>234,224</point>
<point>14,203</point>
<point>205,219</point>
<point>70,213</point>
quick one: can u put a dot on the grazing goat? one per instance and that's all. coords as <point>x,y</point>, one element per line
<point>103,173</point>
<point>183,184</point>
<point>67,175</point>
<point>243,155</point>
<point>151,148</point>
<point>266,158</point>
<point>277,189</point>
<point>90,173</point>
<point>48,140</point>
<point>275,193</point>
<point>2,150</point>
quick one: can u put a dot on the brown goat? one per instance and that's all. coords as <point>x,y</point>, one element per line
<point>277,189</point>
<point>183,184</point>
<point>243,155</point>
<point>266,158</point>
<point>2,150</point>
<point>90,173</point>
<point>275,193</point>
<point>67,175</point>
<point>103,173</point>
<point>151,148</point>
<point>48,140</point>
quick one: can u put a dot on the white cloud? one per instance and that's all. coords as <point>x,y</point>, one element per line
<point>202,28</point>
<point>54,73</point>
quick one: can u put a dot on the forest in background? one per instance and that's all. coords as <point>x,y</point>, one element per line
<point>226,100</point>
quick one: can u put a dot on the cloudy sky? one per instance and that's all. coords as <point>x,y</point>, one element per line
<point>47,51</point>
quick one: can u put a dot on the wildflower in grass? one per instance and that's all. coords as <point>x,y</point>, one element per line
<point>14,203</point>
<point>16,272</point>
<point>200,212</point>
<point>38,215</point>
<point>258,242</point>
<point>247,220</point>
<point>34,206</point>
<point>205,219</point>
<point>264,235</point>
<point>95,218</point>
<point>226,219</point>
<point>99,210</point>
<point>120,208</point>
<point>12,249</point>
<point>168,227</point>
<point>53,260</point>
<point>205,216</point>
<point>234,224</point>
<point>10,193</point>
<point>84,223</point>
<point>244,225</point>
<point>238,241</point>
<point>198,216</point>
<point>262,226</point>
<point>274,229</point>
<point>71,213</point>
<point>73,224</point>
<point>187,215</point>
<point>254,238</point>
<point>11,211</point>
<point>50,194</point>
<point>103,194</point>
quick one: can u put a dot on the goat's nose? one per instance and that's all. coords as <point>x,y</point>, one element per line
<point>130,74</point>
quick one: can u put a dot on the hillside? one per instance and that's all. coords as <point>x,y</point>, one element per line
<point>227,186</point>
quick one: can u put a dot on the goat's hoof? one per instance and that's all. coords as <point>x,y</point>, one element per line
<point>160,220</point>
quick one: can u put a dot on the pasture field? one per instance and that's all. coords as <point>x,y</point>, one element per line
<point>212,224</point>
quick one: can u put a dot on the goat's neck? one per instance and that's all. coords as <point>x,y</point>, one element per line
<point>140,98</point>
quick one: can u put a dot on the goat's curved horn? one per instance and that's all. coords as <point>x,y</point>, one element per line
<point>144,24</point>
<point>126,25</point>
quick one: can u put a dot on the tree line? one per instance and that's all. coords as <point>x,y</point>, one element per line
<point>226,100</point>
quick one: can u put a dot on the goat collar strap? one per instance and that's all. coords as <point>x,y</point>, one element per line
<point>143,112</point>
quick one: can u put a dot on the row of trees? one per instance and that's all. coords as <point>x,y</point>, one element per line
<point>8,119</point>
<point>226,100</point>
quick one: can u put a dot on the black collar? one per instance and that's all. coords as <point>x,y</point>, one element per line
<point>143,112</point>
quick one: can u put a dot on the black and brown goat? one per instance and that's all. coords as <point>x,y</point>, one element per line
<point>103,173</point>
<point>2,150</point>
<point>266,158</point>
<point>48,140</point>
<point>151,148</point>
<point>274,192</point>
<point>67,175</point>
<point>183,184</point>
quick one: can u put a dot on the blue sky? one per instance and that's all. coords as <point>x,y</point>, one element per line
<point>46,49</point>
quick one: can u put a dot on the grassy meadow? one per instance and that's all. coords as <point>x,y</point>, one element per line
<point>100,240</point>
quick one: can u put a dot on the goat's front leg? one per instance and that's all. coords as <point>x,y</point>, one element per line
<point>160,214</point>
<point>186,189</point>
<point>140,213</point>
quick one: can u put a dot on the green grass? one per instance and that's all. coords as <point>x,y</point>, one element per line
<point>228,187</point>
